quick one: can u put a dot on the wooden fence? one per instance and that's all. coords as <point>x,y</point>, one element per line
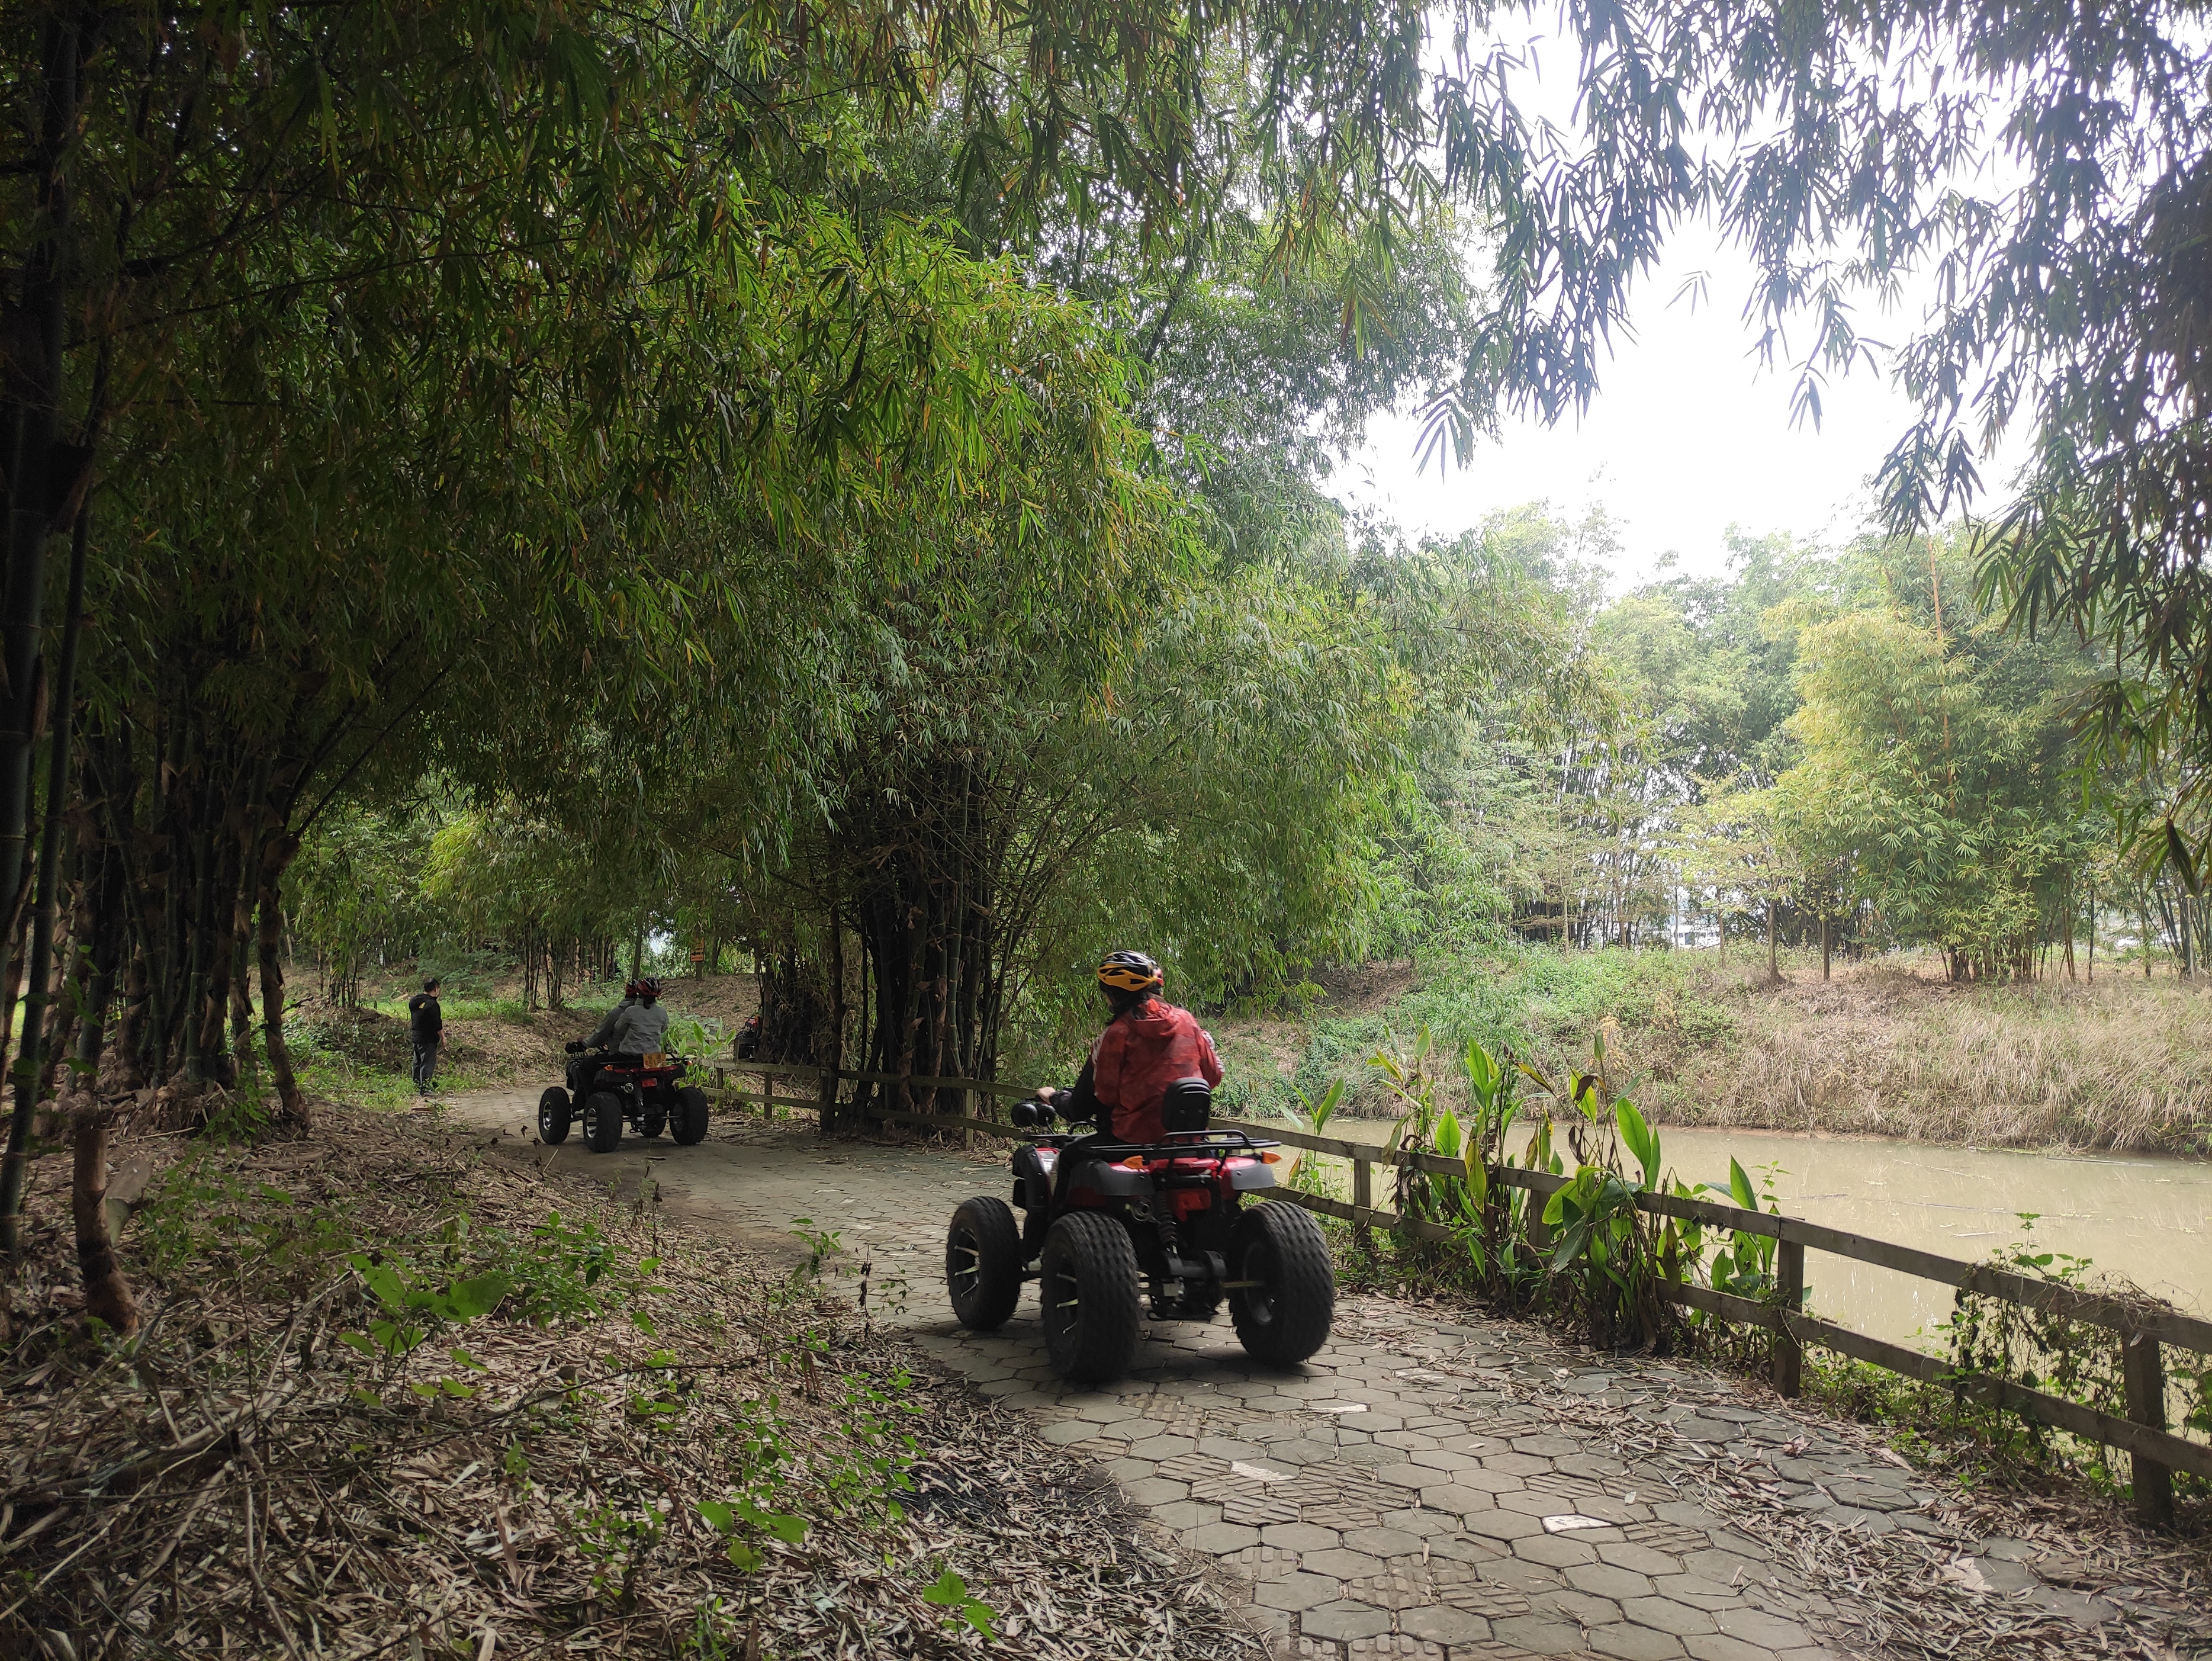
<point>2155,1451</point>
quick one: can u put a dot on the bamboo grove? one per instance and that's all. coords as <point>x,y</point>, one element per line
<point>854,473</point>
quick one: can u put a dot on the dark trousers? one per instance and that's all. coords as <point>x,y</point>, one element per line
<point>426,1065</point>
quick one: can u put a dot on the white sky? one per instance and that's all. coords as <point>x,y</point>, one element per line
<point>1687,436</point>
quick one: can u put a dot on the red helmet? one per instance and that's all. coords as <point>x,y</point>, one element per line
<point>649,988</point>
<point>629,989</point>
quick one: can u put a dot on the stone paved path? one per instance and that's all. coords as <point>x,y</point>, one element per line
<point>1421,1489</point>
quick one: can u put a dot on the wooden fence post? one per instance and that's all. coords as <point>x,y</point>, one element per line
<point>767,1097</point>
<point>2143,1366</point>
<point>1790,1284</point>
<point>1363,1194</point>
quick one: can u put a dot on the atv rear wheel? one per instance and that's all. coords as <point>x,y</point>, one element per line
<point>602,1121</point>
<point>1283,1311</point>
<point>553,1116</point>
<point>689,1121</point>
<point>1087,1283</point>
<point>983,1264</point>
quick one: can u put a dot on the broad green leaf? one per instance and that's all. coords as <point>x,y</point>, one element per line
<point>387,1287</point>
<point>1642,1141</point>
<point>1478,1178</point>
<point>1740,1186</point>
<point>948,1590</point>
<point>478,1295</point>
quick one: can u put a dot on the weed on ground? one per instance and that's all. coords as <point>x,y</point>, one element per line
<point>398,1394</point>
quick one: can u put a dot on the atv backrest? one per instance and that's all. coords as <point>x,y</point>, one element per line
<point>1188,1105</point>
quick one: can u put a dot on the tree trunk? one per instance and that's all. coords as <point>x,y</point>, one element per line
<point>196,910</point>
<point>832,1120</point>
<point>276,855</point>
<point>107,1292</point>
<point>33,393</point>
<point>68,972</point>
<point>1823,945</point>
<point>241,985</point>
<point>14,1169</point>
<point>227,860</point>
<point>1773,945</point>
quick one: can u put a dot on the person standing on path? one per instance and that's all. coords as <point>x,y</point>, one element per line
<point>426,1020</point>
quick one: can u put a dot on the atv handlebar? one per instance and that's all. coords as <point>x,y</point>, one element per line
<point>1039,1112</point>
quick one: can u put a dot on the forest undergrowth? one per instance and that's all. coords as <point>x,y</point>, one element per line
<point>399,1393</point>
<point>1885,1047</point>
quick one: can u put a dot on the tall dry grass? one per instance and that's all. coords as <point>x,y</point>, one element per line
<point>1890,1048</point>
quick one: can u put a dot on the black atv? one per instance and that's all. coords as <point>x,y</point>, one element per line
<point>606,1089</point>
<point>1110,1227</point>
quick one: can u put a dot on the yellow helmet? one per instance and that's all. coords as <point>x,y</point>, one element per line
<point>1129,972</point>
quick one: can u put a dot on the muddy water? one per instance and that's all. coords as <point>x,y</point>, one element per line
<point>2146,1220</point>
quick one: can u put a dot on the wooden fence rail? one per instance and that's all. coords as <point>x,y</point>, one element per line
<point>2155,1451</point>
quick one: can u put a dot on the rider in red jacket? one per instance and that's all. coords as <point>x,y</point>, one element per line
<point>1147,1045</point>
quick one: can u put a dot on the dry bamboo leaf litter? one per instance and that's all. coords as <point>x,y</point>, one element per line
<point>256,1476</point>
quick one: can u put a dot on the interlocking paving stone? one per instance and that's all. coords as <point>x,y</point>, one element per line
<point>1219,1539</point>
<point>1412,1529</point>
<point>1635,1643</point>
<point>1536,1635</point>
<point>1719,1646</point>
<point>1608,1581</point>
<point>1667,1615</point>
<point>1296,1591</point>
<point>1344,1619</point>
<point>1559,1550</point>
<point>1442,1623</point>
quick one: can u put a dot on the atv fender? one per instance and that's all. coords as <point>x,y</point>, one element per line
<point>1032,1178</point>
<point>1247,1178</point>
<point>1108,1181</point>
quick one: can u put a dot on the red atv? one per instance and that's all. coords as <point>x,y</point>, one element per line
<point>607,1089</point>
<point>1109,1224</point>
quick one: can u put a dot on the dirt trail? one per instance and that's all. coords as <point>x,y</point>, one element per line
<point>1426,1489</point>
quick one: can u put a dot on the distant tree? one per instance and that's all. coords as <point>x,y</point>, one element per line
<point>1936,783</point>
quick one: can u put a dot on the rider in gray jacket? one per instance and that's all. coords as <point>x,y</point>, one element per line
<point>603,1034</point>
<point>642,1029</point>
<point>638,1025</point>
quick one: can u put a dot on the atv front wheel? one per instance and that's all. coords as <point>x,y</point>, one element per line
<point>603,1121</point>
<point>1087,1283</point>
<point>553,1116</point>
<point>1287,1298</point>
<point>689,1121</point>
<point>652,1122</point>
<point>983,1264</point>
